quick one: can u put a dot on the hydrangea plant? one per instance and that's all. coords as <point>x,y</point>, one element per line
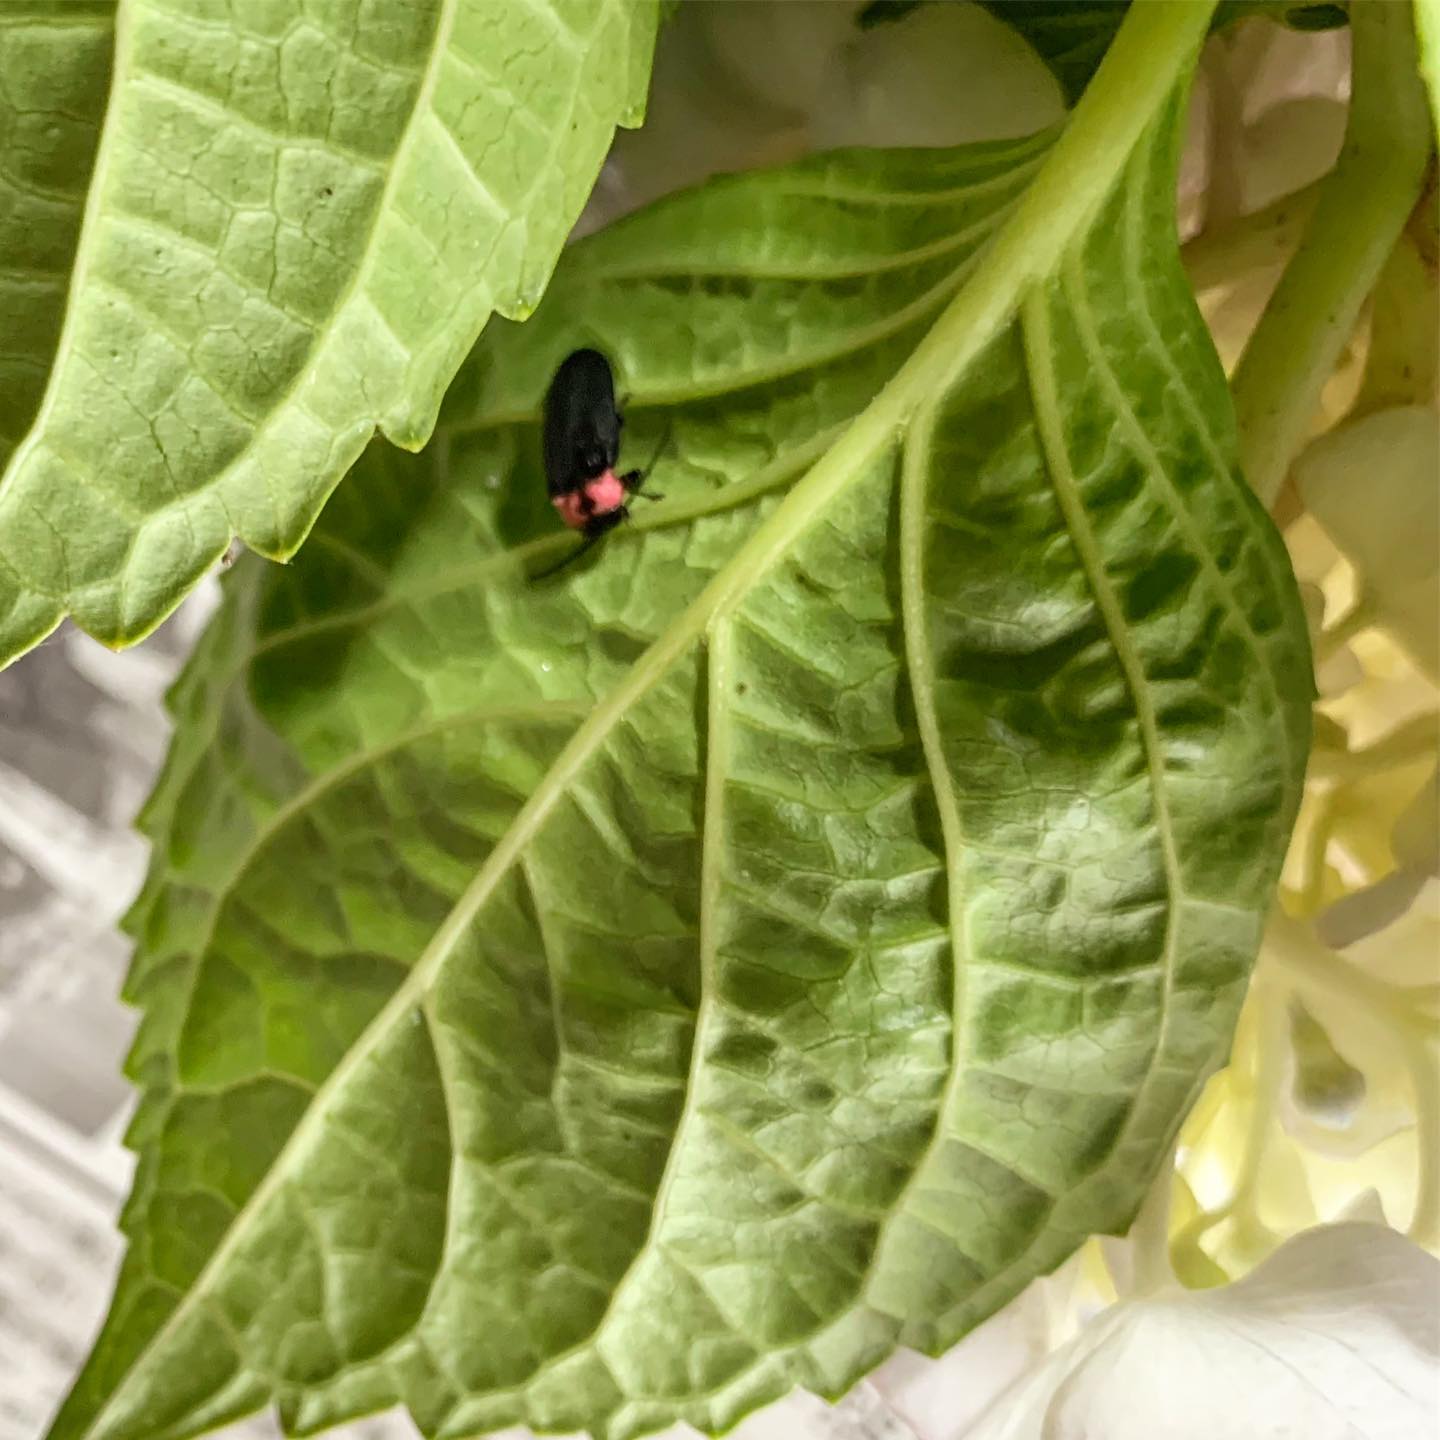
<point>599,998</point>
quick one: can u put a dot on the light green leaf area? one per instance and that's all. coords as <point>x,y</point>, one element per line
<point>1427,28</point>
<point>301,217</point>
<point>613,998</point>
<point>54,72</point>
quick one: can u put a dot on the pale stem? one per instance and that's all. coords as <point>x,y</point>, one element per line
<point>1364,203</point>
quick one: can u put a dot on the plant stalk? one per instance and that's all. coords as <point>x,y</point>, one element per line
<point>1363,206</point>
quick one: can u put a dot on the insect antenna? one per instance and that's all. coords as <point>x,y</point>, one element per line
<point>636,478</point>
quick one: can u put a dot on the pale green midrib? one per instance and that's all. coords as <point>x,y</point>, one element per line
<point>1138,73</point>
<point>1275,559</point>
<point>1012,179</point>
<point>802,272</point>
<point>995,173</point>
<point>89,17</point>
<point>670,513</point>
<point>717,754</point>
<point>915,460</point>
<point>1035,332</point>
<point>794,363</point>
<point>1076,291</point>
<point>1057,205</point>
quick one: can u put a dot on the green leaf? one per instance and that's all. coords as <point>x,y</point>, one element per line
<point>54,70</point>
<point>1072,36</point>
<point>1427,29</point>
<point>301,219</point>
<point>619,997</point>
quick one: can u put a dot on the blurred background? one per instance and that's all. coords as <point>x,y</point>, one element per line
<point>83,731</point>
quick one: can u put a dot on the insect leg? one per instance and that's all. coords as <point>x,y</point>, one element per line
<point>632,480</point>
<point>595,527</point>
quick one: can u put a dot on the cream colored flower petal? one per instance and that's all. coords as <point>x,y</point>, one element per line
<point>1332,1338</point>
<point>1375,487</point>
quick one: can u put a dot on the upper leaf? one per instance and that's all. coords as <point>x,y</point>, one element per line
<point>301,218</point>
<point>600,1000</point>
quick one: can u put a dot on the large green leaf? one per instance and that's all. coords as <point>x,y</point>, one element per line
<point>54,71</point>
<point>301,218</point>
<point>617,997</point>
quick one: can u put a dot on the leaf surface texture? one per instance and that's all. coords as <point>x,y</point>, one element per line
<point>54,69</point>
<point>609,999</point>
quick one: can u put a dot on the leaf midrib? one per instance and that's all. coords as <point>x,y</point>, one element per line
<point>671,513</point>
<point>728,269</point>
<point>921,673</point>
<point>1086,164</point>
<point>1077,293</point>
<point>1035,327</point>
<point>795,362</point>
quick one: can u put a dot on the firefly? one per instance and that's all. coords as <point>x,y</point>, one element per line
<point>581,442</point>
